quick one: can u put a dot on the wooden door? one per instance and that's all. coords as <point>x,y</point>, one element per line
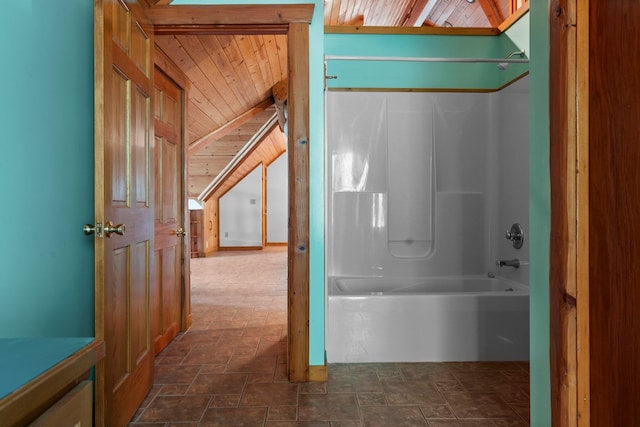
<point>595,183</point>
<point>123,195</point>
<point>169,221</point>
<point>614,212</point>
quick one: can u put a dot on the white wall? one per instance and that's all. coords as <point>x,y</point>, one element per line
<point>241,212</point>
<point>278,200</point>
<point>477,192</point>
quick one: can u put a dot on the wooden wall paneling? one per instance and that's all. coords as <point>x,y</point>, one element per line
<point>196,233</point>
<point>298,272</point>
<point>211,226</point>
<point>614,219</point>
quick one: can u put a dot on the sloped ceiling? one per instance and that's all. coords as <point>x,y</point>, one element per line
<point>416,13</point>
<point>230,96</point>
<point>232,75</point>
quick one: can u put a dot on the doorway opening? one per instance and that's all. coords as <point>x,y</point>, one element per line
<point>271,19</point>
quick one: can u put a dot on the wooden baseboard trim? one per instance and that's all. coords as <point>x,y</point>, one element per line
<point>318,373</point>
<point>277,244</point>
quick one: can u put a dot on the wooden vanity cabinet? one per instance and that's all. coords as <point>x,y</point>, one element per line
<point>46,381</point>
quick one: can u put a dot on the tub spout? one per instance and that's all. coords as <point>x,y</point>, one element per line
<point>515,263</point>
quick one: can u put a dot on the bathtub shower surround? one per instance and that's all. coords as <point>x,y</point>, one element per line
<point>420,188</point>
<point>428,319</point>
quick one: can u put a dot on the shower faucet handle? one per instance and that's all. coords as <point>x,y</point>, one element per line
<point>515,235</point>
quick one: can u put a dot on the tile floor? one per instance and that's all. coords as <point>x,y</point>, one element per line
<point>229,369</point>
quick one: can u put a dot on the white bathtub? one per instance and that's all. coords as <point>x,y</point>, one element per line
<point>456,318</point>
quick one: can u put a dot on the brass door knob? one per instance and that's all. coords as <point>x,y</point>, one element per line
<point>89,229</point>
<point>180,232</point>
<point>109,229</point>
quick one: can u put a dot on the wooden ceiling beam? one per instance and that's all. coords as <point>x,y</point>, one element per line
<point>492,12</point>
<point>211,15</point>
<point>417,12</point>
<point>219,30</point>
<point>228,127</point>
<point>459,31</point>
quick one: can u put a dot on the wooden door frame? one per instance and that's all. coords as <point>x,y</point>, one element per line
<point>292,20</point>
<point>569,239</point>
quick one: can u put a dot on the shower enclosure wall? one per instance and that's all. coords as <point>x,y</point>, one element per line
<point>423,185</point>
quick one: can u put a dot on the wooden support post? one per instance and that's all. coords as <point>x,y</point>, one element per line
<point>298,146</point>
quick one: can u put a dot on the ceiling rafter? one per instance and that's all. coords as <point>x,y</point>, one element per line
<point>228,127</point>
<point>492,12</point>
<point>417,13</point>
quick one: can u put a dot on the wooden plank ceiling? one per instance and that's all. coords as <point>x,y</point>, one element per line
<point>416,13</point>
<point>232,75</point>
<point>230,96</point>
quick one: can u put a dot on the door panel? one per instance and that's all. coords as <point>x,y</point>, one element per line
<point>124,153</point>
<point>168,210</point>
<point>614,212</point>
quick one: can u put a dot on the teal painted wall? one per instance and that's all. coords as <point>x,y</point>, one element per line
<point>408,75</point>
<point>539,214</point>
<point>316,170</point>
<point>46,178</point>
<point>46,168</point>
<point>516,38</point>
<point>433,75</point>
